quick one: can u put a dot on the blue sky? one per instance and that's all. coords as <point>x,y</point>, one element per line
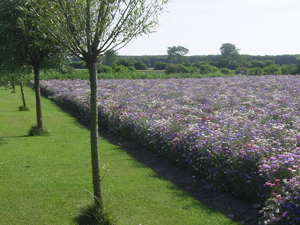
<point>256,27</point>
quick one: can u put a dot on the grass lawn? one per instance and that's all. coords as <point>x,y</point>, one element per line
<point>45,180</point>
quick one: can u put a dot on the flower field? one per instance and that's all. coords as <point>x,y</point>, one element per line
<point>242,134</point>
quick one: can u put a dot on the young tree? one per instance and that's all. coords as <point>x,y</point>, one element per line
<point>89,29</point>
<point>25,43</point>
<point>177,53</point>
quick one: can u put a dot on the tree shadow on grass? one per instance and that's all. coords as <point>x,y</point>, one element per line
<point>186,183</point>
<point>4,141</point>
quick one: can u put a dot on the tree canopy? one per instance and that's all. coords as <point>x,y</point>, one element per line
<point>177,52</point>
<point>229,50</point>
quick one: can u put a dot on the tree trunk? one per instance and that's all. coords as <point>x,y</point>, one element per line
<point>36,70</point>
<point>14,88</point>
<point>23,95</point>
<point>94,134</point>
<point>13,84</point>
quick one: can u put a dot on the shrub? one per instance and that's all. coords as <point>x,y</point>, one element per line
<point>78,64</point>
<point>226,71</point>
<point>206,68</point>
<point>139,65</point>
<point>288,69</point>
<point>272,69</point>
<point>182,69</point>
<point>160,66</point>
<point>104,69</point>
<point>35,131</point>
<point>171,68</point>
<point>24,108</point>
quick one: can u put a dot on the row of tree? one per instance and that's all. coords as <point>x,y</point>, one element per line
<point>38,33</point>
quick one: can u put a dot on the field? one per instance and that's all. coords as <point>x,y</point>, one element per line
<point>240,133</point>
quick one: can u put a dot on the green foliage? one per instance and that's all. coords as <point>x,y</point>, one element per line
<point>206,68</point>
<point>226,71</point>
<point>36,131</point>
<point>171,68</point>
<point>90,214</point>
<point>272,69</point>
<point>255,71</point>
<point>229,50</point>
<point>68,69</point>
<point>104,69</point>
<point>125,62</point>
<point>122,69</point>
<point>110,57</point>
<point>288,69</point>
<point>24,108</point>
<point>139,65</point>
<point>78,64</point>
<point>177,52</point>
<point>160,66</point>
<point>298,65</point>
<point>229,63</point>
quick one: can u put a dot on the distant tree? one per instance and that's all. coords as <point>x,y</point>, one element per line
<point>256,63</point>
<point>288,69</point>
<point>110,57</point>
<point>160,66</point>
<point>229,50</point>
<point>89,29</point>
<point>125,62</point>
<point>206,68</point>
<point>229,63</point>
<point>171,68</point>
<point>272,69</point>
<point>177,53</point>
<point>298,65</point>
<point>225,71</point>
<point>139,65</point>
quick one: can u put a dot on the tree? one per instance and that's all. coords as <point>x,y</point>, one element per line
<point>177,53</point>
<point>139,65</point>
<point>229,50</point>
<point>25,43</point>
<point>110,57</point>
<point>89,29</point>
<point>298,65</point>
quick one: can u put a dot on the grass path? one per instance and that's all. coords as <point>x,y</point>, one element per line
<point>45,180</point>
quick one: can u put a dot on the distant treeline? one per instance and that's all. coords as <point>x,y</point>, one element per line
<point>150,60</point>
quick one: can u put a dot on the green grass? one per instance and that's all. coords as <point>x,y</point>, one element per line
<point>45,180</point>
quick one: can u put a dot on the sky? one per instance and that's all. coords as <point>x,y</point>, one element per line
<point>256,27</point>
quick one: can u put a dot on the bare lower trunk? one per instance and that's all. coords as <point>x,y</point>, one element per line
<point>94,135</point>
<point>23,95</point>
<point>39,117</point>
<point>14,88</point>
<point>13,84</point>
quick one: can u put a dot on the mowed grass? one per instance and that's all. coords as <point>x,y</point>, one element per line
<point>45,180</point>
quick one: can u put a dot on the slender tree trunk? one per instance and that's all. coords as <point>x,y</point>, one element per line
<point>94,135</point>
<point>13,81</point>
<point>39,117</point>
<point>23,95</point>
<point>14,88</point>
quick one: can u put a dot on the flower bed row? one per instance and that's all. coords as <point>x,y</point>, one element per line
<point>240,133</point>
